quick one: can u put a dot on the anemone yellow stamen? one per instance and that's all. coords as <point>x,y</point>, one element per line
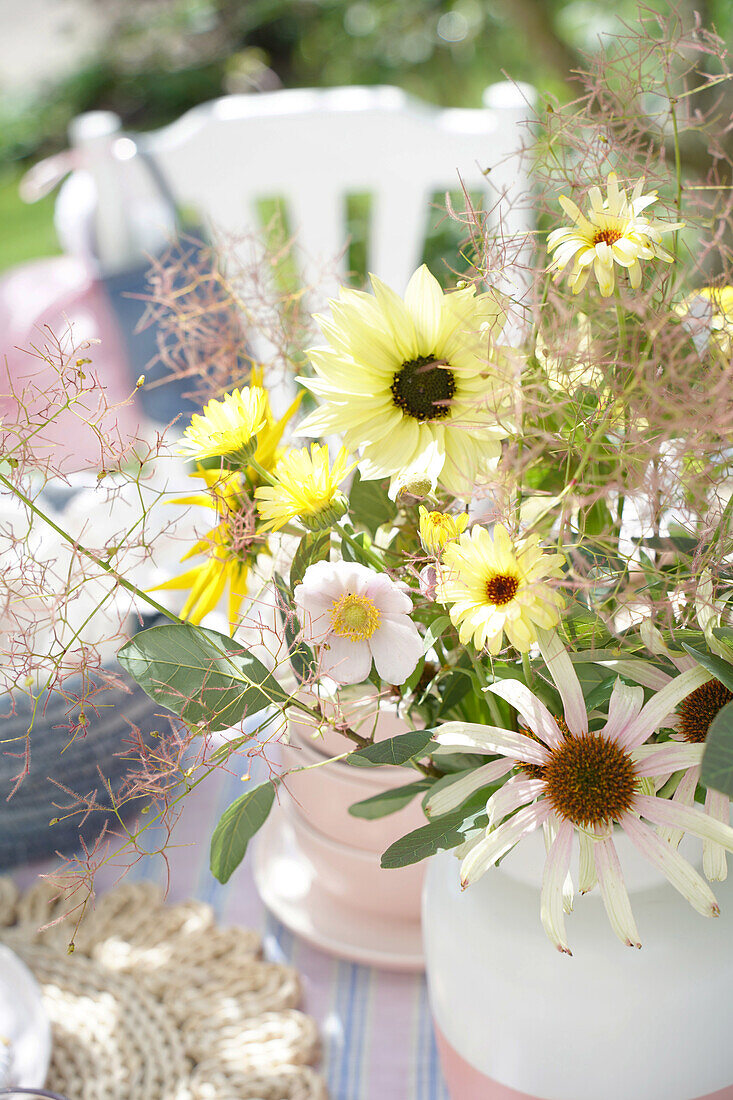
<point>354,617</point>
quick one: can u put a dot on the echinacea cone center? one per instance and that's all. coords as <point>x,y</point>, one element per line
<point>423,388</point>
<point>700,707</point>
<point>590,780</point>
<point>501,588</point>
<point>354,617</point>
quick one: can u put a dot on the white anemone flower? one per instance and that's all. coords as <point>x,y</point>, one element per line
<point>355,615</point>
<point>573,781</point>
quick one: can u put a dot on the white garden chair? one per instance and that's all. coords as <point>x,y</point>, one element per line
<point>312,148</point>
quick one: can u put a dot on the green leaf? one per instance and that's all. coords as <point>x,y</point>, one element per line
<point>600,694</point>
<point>236,827</point>
<point>720,669</point>
<point>435,631</point>
<point>388,802</point>
<point>370,504</point>
<point>717,761</point>
<point>311,548</point>
<point>351,553</point>
<point>394,751</point>
<point>455,686</point>
<point>199,674</point>
<point>443,832</point>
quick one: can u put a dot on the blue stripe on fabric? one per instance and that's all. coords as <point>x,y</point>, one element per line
<point>337,1039</point>
<point>358,1031</point>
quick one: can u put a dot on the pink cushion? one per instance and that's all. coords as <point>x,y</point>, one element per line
<point>59,299</point>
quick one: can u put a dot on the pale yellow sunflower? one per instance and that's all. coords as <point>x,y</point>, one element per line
<point>306,487</point>
<point>494,588</point>
<point>401,378</point>
<point>614,232</point>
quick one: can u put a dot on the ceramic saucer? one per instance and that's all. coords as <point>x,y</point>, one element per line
<point>288,885</point>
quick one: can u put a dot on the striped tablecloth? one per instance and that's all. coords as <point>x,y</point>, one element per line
<point>378,1041</point>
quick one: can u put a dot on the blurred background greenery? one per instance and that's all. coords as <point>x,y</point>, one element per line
<point>150,60</point>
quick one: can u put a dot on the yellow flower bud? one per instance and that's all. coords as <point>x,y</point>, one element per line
<point>437,529</point>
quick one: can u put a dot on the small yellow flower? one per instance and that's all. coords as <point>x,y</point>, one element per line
<point>494,588</point>
<point>615,232</point>
<point>307,488</point>
<point>721,321</point>
<point>437,529</point>
<point>227,428</point>
<point>230,549</point>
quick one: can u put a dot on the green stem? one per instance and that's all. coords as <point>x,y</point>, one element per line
<point>362,551</point>
<point>88,553</point>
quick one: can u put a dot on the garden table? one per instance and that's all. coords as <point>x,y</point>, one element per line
<point>375,1025</point>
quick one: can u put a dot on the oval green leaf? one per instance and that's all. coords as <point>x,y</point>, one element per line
<point>717,761</point>
<point>199,674</point>
<point>236,827</point>
<point>395,750</point>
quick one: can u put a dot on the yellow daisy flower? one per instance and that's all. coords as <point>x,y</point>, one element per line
<point>437,529</point>
<point>615,232</point>
<point>230,549</point>
<point>402,376</point>
<point>306,488</point>
<point>494,588</point>
<point>227,428</point>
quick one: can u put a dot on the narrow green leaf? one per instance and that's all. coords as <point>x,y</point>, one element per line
<point>455,686</point>
<point>388,802</point>
<point>720,669</point>
<point>351,553</point>
<point>199,674</point>
<point>434,631</point>
<point>236,827</point>
<point>394,751</point>
<point>311,548</point>
<point>717,761</point>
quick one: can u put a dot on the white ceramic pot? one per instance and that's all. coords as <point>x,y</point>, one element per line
<point>318,868</point>
<point>517,1020</point>
<point>324,793</point>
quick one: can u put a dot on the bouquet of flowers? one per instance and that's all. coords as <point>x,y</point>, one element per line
<point>506,506</point>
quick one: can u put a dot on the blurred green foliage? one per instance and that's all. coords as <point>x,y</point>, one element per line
<point>161,57</point>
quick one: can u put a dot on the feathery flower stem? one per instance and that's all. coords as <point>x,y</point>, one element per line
<point>677,162</point>
<point>88,553</point>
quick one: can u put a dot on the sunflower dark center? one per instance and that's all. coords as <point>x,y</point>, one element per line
<point>501,588</point>
<point>590,780</point>
<point>537,771</point>
<point>608,236</point>
<point>423,388</point>
<point>699,708</point>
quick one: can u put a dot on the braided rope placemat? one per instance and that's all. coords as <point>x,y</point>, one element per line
<point>158,1002</point>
